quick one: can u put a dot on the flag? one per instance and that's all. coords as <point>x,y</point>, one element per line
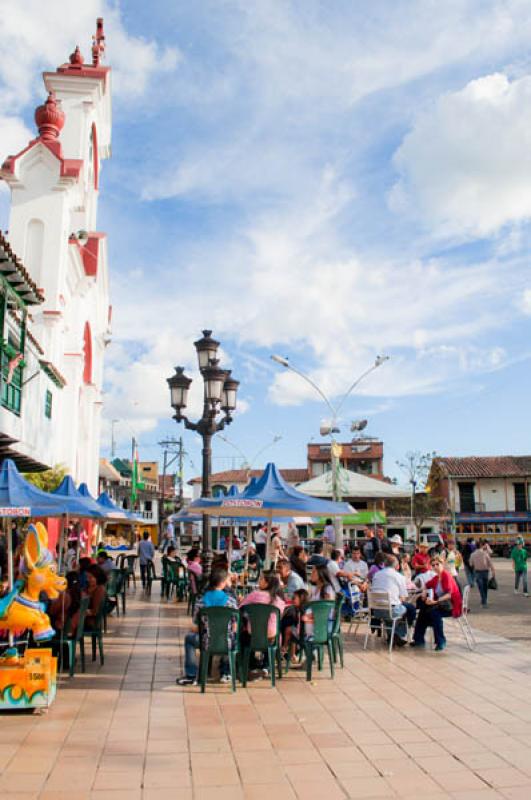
<point>12,364</point>
<point>136,483</point>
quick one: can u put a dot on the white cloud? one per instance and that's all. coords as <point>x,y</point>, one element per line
<point>525,302</point>
<point>465,167</point>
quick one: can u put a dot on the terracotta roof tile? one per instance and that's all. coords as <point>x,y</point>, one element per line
<point>484,466</point>
<point>242,475</point>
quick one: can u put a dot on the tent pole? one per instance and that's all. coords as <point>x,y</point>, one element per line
<point>249,540</point>
<point>62,542</point>
<point>229,546</point>
<point>268,541</point>
<point>10,568</point>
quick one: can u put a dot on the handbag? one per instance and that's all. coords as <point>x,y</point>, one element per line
<point>493,583</point>
<point>445,607</point>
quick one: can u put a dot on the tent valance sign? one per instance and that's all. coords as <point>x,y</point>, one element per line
<point>12,511</point>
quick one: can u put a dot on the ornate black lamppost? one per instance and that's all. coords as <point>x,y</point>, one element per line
<point>220,391</point>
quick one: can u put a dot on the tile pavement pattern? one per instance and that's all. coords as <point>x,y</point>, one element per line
<point>455,725</point>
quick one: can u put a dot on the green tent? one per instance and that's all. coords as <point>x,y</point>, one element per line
<point>361,518</point>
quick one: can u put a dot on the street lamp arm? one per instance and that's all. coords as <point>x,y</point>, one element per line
<point>188,424</point>
<point>379,361</point>
<point>305,377</point>
<point>264,448</point>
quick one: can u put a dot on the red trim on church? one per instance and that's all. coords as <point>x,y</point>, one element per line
<point>70,167</point>
<point>95,156</point>
<point>89,252</point>
<point>87,352</point>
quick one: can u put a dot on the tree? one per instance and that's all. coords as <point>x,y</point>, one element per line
<point>425,505</point>
<point>48,480</point>
<point>417,467</point>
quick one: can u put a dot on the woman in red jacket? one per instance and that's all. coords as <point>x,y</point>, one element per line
<point>441,598</point>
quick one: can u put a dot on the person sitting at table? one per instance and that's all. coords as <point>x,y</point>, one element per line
<point>269,592</point>
<point>290,624</point>
<point>253,559</point>
<point>356,565</point>
<point>391,581</point>
<point>104,561</point>
<point>335,572</point>
<point>193,562</point>
<point>317,559</point>
<point>95,591</point>
<point>171,554</point>
<point>440,599</point>
<point>377,566</point>
<point>321,588</point>
<point>290,579</point>
<point>298,559</point>
<point>67,603</point>
<point>215,596</point>
<point>421,559</point>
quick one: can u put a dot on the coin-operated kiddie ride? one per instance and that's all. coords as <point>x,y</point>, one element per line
<point>29,680</point>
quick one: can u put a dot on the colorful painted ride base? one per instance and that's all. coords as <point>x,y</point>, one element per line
<point>28,681</point>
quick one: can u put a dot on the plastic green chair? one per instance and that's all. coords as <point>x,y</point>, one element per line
<point>337,634</point>
<point>258,615</point>
<point>71,642</point>
<point>219,635</point>
<point>175,577</point>
<point>95,633</point>
<point>115,589</point>
<point>322,636</point>
<point>128,564</point>
<point>193,591</point>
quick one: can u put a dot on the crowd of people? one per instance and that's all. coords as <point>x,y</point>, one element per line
<point>422,589</point>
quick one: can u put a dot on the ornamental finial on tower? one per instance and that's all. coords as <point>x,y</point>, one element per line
<point>50,118</point>
<point>98,43</point>
<point>76,58</point>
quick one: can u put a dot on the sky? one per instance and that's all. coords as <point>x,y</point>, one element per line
<point>330,181</point>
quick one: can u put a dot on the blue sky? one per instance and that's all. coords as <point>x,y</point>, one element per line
<point>327,181</point>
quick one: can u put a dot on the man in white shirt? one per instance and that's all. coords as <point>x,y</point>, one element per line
<point>357,566</point>
<point>391,581</point>
<point>335,571</point>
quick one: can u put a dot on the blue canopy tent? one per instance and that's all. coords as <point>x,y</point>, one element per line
<point>19,498</point>
<point>270,497</point>
<point>80,506</point>
<point>110,509</point>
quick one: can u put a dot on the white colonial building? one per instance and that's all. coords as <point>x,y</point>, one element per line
<point>54,184</point>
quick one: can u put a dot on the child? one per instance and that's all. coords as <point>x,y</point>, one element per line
<point>291,623</point>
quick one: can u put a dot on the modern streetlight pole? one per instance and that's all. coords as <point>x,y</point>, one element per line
<point>332,428</point>
<point>220,391</point>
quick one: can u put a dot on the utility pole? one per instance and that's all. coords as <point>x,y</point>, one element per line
<point>173,447</point>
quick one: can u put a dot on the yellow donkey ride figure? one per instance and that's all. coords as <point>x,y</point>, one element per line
<point>20,609</point>
<point>29,680</point>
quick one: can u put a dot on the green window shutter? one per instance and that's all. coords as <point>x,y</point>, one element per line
<point>48,400</point>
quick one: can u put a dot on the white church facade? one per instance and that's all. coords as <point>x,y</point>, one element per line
<point>51,402</point>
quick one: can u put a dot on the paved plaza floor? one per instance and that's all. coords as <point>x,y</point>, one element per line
<point>417,725</point>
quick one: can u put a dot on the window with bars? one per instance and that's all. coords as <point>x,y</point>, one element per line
<point>520,497</point>
<point>467,502</point>
<point>48,402</point>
